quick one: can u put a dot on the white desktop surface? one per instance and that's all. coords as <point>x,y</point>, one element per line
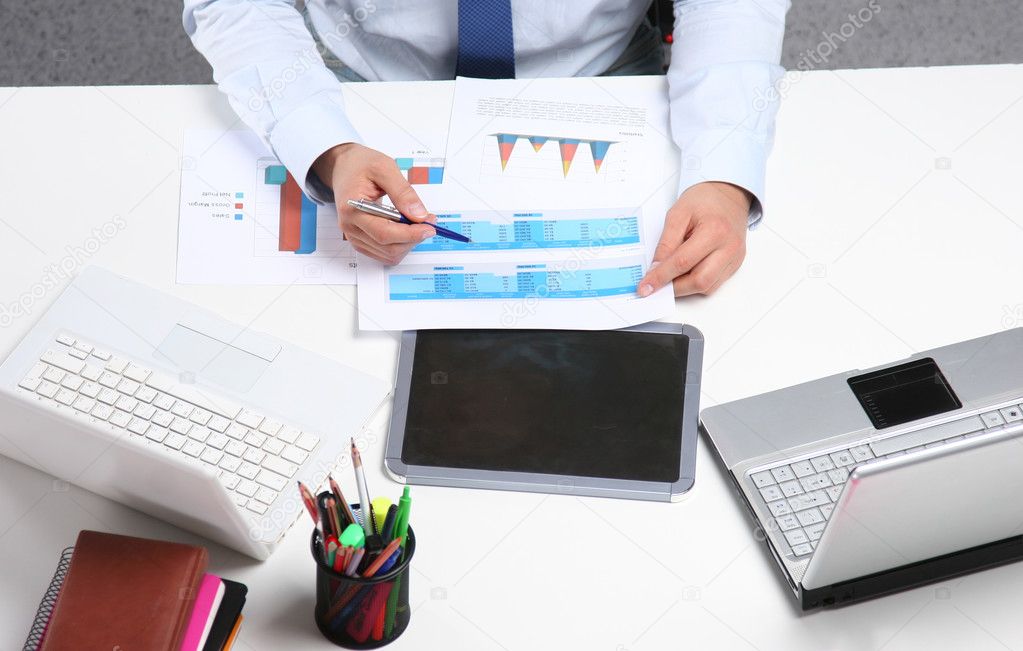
<point>893,225</point>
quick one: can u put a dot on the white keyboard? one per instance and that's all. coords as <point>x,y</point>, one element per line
<point>801,494</point>
<point>255,457</point>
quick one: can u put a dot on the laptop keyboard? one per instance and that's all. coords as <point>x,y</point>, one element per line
<point>255,457</point>
<point>801,495</point>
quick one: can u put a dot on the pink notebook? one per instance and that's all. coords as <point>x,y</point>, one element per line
<point>207,602</point>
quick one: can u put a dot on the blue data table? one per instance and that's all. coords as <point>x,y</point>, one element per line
<point>526,281</point>
<point>534,230</point>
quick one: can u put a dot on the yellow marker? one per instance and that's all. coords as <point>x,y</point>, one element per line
<point>380,506</point>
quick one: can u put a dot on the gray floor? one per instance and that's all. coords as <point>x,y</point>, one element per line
<point>68,42</point>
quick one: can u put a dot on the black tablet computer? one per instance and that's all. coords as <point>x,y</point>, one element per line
<point>609,413</point>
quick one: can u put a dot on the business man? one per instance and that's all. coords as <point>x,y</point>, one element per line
<point>724,65</point>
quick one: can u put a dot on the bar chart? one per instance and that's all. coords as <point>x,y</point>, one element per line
<point>421,171</point>
<point>287,221</point>
<point>555,229</point>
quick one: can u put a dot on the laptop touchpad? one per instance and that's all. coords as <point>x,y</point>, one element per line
<point>211,359</point>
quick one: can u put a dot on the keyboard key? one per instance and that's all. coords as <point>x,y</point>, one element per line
<point>788,522</point>
<point>102,411</point>
<point>82,347</point>
<point>128,387</point>
<point>146,394</point>
<point>91,372</point>
<point>212,456</point>
<point>108,396</point>
<point>237,431</point>
<point>271,479</point>
<point>803,469</point>
<point>72,382</point>
<point>927,435</point>
<point>255,439</point>
<point>174,441</point>
<point>90,389</point>
<point>815,482</point>
<point>218,423</point>
<point>275,446</point>
<point>838,475</point>
<point>760,479</point>
<point>162,418</point>
<point>771,493</point>
<point>809,516</point>
<point>192,448</point>
<point>826,511</point>
<point>294,455</point>
<point>237,448</point>
<point>265,495</point>
<point>280,466</point>
<point>65,397</point>
<point>180,426</point>
<point>101,355</point>
<point>834,492</point>
<point>247,488</point>
<point>77,354</point>
<point>84,404</point>
<point>181,408</point>
<point>200,416</point>
<point>230,481</point>
<point>240,500</point>
<point>307,441</point>
<point>67,340</point>
<point>256,507</point>
<point>119,418</point>
<point>136,373</point>
<point>198,433</point>
<point>796,537</point>
<point>63,361</point>
<point>248,471</point>
<point>30,383</point>
<point>47,389</point>
<point>163,401</point>
<point>193,395</point>
<point>230,463</point>
<point>822,464</point>
<point>157,434</point>
<point>54,374</point>
<point>124,403</point>
<point>783,473</point>
<point>802,550</point>
<point>138,426</point>
<point>842,458</point>
<point>814,531</point>
<point>116,365</point>
<point>779,508</point>
<point>1012,414</point>
<point>145,411</point>
<point>992,419</point>
<point>254,455</point>
<point>808,500</point>
<point>290,434</point>
<point>217,440</point>
<point>270,427</point>
<point>249,418</point>
<point>791,488</point>
<point>108,379</point>
<point>861,453</point>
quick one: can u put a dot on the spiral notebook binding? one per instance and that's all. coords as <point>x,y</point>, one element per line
<point>42,619</point>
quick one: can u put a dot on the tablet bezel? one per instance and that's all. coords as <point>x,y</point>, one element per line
<point>542,482</point>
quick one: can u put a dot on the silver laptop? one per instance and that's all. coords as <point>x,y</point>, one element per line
<point>167,408</point>
<point>868,482</point>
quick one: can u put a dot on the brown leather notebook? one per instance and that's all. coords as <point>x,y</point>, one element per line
<point>125,593</point>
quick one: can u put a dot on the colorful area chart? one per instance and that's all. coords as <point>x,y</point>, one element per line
<point>297,231</point>
<point>567,146</point>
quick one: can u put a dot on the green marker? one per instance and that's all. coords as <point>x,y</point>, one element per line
<point>400,531</point>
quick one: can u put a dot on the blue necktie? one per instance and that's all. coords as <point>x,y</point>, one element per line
<point>485,46</point>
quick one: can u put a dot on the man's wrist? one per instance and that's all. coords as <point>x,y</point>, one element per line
<point>323,166</point>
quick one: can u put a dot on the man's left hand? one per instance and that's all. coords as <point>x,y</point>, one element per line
<point>704,240</point>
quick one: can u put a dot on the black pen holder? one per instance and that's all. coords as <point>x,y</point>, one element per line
<point>362,612</point>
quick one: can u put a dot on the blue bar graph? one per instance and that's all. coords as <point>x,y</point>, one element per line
<point>532,231</point>
<point>525,281</point>
<point>307,243</point>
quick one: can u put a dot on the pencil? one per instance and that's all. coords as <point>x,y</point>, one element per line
<point>342,502</point>
<point>365,507</point>
<point>310,503</point>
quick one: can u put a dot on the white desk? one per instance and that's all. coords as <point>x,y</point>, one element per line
<point>894,226</point>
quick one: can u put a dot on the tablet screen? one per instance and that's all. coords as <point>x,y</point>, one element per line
<point>597,404</point>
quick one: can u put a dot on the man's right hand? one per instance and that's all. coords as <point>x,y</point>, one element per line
<point>357,172</point>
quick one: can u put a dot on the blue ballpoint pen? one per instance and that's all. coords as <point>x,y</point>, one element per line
<point>380,210</point>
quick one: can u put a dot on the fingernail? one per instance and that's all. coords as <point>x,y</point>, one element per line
<point>416,210</point>
<point>646,289</point>
<point>428,234</point>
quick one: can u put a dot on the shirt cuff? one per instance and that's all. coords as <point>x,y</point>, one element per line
<point>729,156</point>
<point>303,134</point>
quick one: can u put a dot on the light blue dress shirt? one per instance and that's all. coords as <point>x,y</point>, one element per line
<point>721,81</point>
